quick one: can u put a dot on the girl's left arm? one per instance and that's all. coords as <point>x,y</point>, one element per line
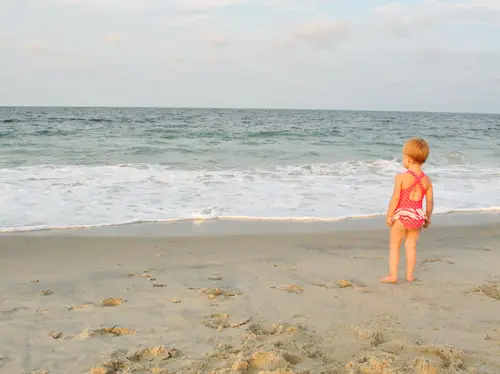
<point>394,199</point>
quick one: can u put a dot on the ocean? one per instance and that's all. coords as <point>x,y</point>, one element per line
<point>86,167</point>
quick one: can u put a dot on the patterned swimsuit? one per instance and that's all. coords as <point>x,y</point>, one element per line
<point>410,212</point>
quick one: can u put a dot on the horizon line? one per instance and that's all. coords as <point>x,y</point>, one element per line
<point>248,108</point>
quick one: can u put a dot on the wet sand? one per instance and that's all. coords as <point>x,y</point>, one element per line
<point>294,303</point>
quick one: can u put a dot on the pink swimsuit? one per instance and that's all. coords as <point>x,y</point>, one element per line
<point>410,212</point>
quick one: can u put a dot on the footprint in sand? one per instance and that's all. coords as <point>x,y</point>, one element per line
<point>342,283</point>
<point>106,331</point>
<point>142,361</point>
<point>490,289</point>
<point>55,335</point>
<point>159,285</point>
<point>215,277</point>
<point>435,260</point>
<point>271,350</point>
<point>214,294</point>
<point>220,321</point>
<point>290,288</point>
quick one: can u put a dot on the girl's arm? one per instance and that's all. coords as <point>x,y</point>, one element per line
<point>429,204</point>
<point>396,194</point>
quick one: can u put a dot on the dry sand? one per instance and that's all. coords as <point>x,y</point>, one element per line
<point>306,303</point>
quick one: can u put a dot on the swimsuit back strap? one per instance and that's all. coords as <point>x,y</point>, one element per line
<point>418,180</point>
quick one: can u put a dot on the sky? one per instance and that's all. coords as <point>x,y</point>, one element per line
<point>412,55</point>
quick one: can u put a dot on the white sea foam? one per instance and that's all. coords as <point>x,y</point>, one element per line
<point>49,196</point>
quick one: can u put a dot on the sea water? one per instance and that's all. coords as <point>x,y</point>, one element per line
<point>82,167</point>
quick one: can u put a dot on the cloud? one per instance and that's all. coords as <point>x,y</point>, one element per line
<point>176,56</point>
<point>112,39</point>
<point>109,5</point>
<point>143,5</point>
<point>402,18</point>
<point>203,5</point>
<point>38,47</point>
<point>217,39</point>
<point>62,65</point>
<point>322,32</point>
<point>183,20</point>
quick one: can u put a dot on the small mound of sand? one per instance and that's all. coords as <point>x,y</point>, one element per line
<point>352,283</point>
<point>112,301</point>
<point>268,361</point>
<point>256,362</point>
<point>110,367</point>
<point>46,292</point>
<point>382,363</point>
<point>433,361</point>
<point>451,359</point>
<point>424,365</point>
<point>79,307</point>
<point>153,353</point>
<point>343,283</point>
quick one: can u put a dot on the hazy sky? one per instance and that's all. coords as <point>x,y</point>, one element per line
<point>438,55</point>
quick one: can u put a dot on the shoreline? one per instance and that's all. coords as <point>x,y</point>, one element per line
<point>255,226</point>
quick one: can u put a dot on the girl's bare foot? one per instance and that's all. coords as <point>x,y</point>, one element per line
<point>389,279</point>
<point>411,279</point>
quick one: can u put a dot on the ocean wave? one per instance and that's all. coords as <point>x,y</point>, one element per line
<point>55,196</point>
<point>10,120</point>
<point>320,169</point>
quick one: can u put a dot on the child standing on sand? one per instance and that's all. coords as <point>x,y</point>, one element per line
<point>405,215</point>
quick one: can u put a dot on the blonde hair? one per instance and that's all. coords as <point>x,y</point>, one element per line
<point>417,149</point>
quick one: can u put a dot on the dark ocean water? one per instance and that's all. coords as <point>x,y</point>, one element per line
<point>64,167</point>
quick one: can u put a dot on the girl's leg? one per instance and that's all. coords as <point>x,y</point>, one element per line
<point>398,232</point>
<point>411,253</point>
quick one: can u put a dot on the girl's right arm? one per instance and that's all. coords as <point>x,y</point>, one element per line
<point>429,204</point>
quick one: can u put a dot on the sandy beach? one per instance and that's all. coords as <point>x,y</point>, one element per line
<point>269,303</point>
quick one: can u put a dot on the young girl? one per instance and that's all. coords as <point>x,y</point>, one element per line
<point>405,215</point>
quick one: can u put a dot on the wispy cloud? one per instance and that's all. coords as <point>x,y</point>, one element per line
<point>38,47</point>
<point>142,5</point>
<point>204,5</point>
<point>176,56</point>
<point>112,39</point>
<point>217,39</point>
<point>323,32</point>
<point>402,18</point>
